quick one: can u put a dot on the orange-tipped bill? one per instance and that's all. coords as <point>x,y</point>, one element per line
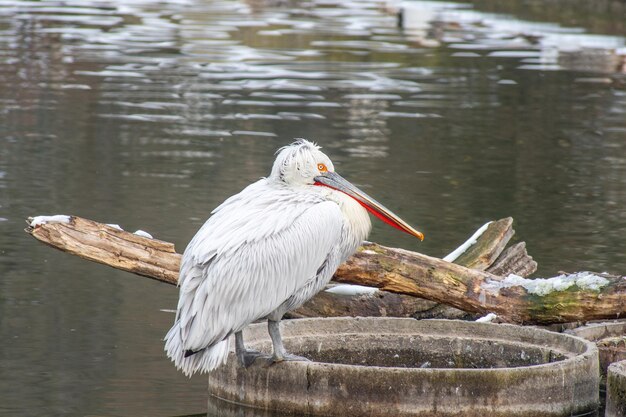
<point>337,182</point>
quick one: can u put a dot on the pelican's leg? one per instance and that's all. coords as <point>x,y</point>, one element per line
<point>245,356</point>
<point>280,354</point>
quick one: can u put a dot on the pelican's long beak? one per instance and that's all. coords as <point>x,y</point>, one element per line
<point>337,182</point>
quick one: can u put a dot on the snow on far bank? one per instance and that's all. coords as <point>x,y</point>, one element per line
<point>543,286</point>
<point>348,289</point>
<point>452,256</point>
<point>57,218</point>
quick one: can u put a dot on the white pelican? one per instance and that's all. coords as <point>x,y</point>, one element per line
<point>266,251</point>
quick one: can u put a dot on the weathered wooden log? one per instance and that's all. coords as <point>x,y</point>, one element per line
<point>158,260</point>
<point>577,297</point>
<point>574,298</point>
<point>488,246</point>
<point>514,260</point>
<point>108,245</point>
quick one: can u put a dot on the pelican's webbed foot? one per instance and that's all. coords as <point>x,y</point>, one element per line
<point>280,354</point>
<point>246,357</point>
<point>288,357</point>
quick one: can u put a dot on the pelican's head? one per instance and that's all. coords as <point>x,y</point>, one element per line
<point>299,163</point>
<point>302,164</point>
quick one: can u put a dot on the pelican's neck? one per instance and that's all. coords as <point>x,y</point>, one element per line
<point>356,217</point>
<point>357,220</point>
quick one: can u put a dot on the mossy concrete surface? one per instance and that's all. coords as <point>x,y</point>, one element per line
<point>610,337</point>
<point>616,390</point>
<point>405,367</point>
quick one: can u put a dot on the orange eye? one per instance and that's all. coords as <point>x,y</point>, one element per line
<point>322,168</point>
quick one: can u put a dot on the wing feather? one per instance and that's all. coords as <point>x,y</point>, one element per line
<point>259,247</point>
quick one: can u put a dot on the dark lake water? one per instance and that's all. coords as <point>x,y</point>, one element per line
<point>149,114</point>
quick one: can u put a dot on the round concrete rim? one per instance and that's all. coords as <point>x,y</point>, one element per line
<point>595,331</point>
<point>588,348</point>
<point>284,387</point>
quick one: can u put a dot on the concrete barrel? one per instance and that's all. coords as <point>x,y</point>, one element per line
<point>405,367</point>
<point>609,337</point>
<point>616,390</point>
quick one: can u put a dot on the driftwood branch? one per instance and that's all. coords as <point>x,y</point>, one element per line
<point>110,246</point>
<point>477,291</point>
<point>514,260</point>
<point>488,247</point>
<point>474,290</point>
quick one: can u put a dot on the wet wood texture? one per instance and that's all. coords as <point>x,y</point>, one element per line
<point>110,246</point>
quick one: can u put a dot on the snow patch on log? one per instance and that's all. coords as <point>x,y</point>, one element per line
<point>115,226</point>
<point>352,290</point>
<point>452,256</point>
<point>143,234</point>
<point>57,218</point>
<point>487,319</point>
<point>543,286</point>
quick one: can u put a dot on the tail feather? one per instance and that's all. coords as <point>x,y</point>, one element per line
<point>204,360</point>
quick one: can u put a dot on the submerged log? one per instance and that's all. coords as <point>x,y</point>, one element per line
<point>564,299</point>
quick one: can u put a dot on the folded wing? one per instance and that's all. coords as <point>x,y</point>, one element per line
<point>259,247</point>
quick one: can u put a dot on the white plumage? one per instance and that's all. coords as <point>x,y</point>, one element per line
<point>263,252</point>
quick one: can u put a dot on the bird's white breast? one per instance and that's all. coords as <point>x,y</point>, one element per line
<point>357,221</point>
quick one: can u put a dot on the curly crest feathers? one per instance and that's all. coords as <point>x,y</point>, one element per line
<point>297,163</point>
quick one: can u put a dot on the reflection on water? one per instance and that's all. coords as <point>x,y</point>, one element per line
<point>538,46</point>
<point>150,114</point>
